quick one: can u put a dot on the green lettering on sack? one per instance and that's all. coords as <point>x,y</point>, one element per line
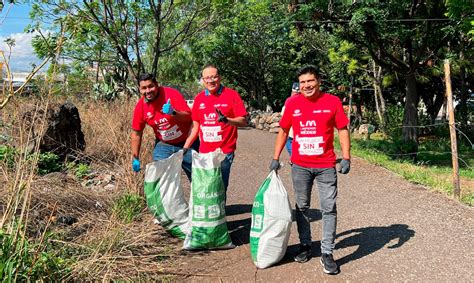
<point>258,212</point>
<point>155,205</point>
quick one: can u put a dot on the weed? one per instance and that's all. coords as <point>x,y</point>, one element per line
<point>7,155</point>
<point>48,162</point>
<point>128,207</point>
<point>22,261</point>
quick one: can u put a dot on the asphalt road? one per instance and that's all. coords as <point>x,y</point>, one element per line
<point>389,230</point>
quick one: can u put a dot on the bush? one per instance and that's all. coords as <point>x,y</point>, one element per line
<point>48,162</point>
<point>81,170</point>
<point>22,261</point>
<point>128,207</point>
<point>8,155</point>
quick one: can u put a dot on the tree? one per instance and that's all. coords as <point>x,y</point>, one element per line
<point>400,36</point>
<point>254,48</point>
<point>96,29</point>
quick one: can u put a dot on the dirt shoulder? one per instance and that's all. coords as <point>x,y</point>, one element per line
<point>388,229</point>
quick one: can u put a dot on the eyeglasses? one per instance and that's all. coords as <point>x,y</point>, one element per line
<point>211,79</point>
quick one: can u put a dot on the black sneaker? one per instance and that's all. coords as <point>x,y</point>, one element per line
<point>329,265</point>
<point>304,254</point>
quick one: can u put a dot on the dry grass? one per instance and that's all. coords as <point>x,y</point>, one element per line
<point>101,246</point>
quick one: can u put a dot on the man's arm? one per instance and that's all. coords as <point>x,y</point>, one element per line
<point>136,143</point>
<point>193,135</point>
<point>280,143</point>
<point>182,116</point>
<point>238,121</point>
<point>345,141</point>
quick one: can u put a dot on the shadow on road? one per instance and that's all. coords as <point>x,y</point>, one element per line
<point>235,209</point>
<point>371,239</point>
<point>239,230</point>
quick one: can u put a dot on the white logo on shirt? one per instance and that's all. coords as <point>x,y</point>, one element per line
<point>149,115</point>
<point>202,106</point>
<point>310,123</point>
<point>297,113</point>
<point>210,116</point>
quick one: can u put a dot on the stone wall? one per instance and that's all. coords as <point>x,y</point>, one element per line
<point>265,121</point>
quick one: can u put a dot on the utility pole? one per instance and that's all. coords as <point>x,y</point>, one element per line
<point>452,130</point>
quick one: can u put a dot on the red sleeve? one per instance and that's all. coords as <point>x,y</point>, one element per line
<point>138,123</point>
<point>177,101</point>
<point>340,118</point>
<point>238,106</point>
<point>195,111</point>
<point>285,121</point>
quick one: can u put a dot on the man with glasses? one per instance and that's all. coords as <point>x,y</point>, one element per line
<point>166,111</point>
<point>217,112</point>
<point>314,115</point>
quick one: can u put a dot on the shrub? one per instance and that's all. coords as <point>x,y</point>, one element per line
<point>128,207</point>
<point>48,162</point>
<point>22,261</point>
<point>7,155</point>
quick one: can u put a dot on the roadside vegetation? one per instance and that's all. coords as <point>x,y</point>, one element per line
<point>384,59</point>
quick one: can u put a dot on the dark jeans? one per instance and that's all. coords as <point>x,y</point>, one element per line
<point>164,150</point>
<point>326,180</point>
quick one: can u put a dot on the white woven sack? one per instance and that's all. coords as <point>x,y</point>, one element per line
<point>271,222</point>
<point>165,196</point>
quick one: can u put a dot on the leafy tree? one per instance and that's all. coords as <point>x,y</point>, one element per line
<point>254,47</point>
<point>115,33</point>
<point>400,36</point>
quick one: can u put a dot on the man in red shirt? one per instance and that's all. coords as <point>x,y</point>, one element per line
<point>313,116</point>
<point>217,112</point>
<point>165,110</point>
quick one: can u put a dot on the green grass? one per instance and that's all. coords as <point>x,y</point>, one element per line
<point>432,169</point>
<point>129,207</point>
<point>24,260</point>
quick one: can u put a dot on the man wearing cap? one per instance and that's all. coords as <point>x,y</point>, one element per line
<point>166,111</point>
<point>216,114</point>
<point>314,115</point>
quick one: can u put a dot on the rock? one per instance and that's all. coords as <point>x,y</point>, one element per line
<point>274,130</point>
<point>66,220</point>
<point>62,133</point>
<point>366,130</point>
<point>109,187</point>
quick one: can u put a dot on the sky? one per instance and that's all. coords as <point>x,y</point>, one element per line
<point>13,21</point>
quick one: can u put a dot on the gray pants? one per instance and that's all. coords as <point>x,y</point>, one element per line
<point>326,180</point>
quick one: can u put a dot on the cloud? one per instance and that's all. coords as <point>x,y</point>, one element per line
<point>22,54</point>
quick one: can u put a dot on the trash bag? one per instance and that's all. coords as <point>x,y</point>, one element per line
<point>271,222</point>
<point>207,219</point>
<point>165,196</point>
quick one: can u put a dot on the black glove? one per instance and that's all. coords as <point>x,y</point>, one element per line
<point>221,118</point>
<point>185,150</point>
<point>345,166</point>
<point>275,165</point>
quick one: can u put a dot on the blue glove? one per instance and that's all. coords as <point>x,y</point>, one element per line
<point>345,166</point>
<point>136,165</point>
<point>167,108</point>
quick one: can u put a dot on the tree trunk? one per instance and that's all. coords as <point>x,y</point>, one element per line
<point>410,117</point>
<point>379,101</point>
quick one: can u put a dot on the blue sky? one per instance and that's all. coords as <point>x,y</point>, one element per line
<point>13,21</point>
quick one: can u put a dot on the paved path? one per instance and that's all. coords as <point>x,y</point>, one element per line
<point>388,229</point>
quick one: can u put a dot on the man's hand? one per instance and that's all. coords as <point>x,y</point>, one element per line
<point>345,166</point>
<point>185,150</point>
<point>221,118</point>
<point>136,165</point>
<point>275,165</point>
<point>167,108</point>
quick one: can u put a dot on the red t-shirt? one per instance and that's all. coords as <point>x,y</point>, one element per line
<point>313,123</point>
<point>214,134</point>
<point>165,127</point>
